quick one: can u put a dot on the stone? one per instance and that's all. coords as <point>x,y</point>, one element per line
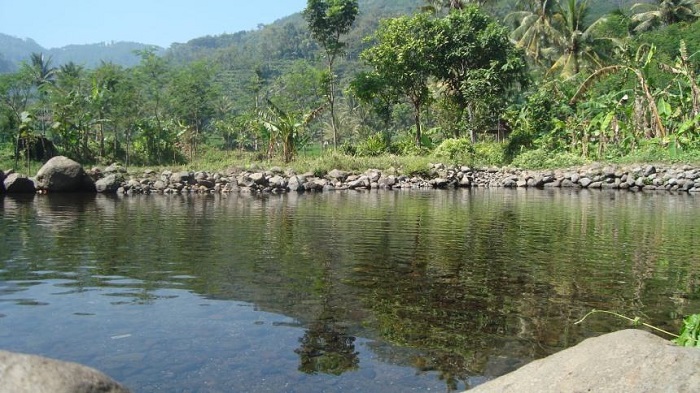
<point>649,170</point>
<point>439,182</point>
<point>115,168</point>
<point>61,174</point>
<point>159,185</point>
<point>109,184</point>
<point>278,182</point>
<point>625,361</point>
<point>296,184</point>
<point>337,174</point>
<point>180,177</point>
<point>259,178</point>
<point>585,182</point>
<point>20,373</point>
<point>17,183</point>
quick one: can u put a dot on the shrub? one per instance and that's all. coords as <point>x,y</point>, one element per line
<point>539,159</point>
<point>373,146</point>
<point>456,150</point>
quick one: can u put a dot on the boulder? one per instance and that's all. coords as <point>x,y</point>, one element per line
<point>16,183</point>
<point>61,174</point>
<point>20,373</point>
<point>625,361</point>
<point>109,184</point>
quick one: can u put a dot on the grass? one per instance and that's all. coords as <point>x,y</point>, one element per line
<point>321,162</point>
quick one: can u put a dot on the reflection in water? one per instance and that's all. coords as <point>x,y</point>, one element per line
<point>327,348</point>
<point>407,289</point>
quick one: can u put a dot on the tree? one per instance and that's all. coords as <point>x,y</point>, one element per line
<point>192,94</point>
<point>478,65</point>
<point>287,127</point>
<point>575,39</point>
<point>328,20</point>
<point>648,16</point>
<point>533,28</point>
<point>402,59</point>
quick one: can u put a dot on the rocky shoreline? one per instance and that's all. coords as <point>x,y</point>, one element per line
<point>61,174</point>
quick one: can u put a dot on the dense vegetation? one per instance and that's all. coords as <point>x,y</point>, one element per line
<point>529,83</point>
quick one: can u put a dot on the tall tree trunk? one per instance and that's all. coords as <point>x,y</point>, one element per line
<point>416,117</point>
<point>331,101</point>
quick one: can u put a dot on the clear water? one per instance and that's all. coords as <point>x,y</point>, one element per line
<point>336,292</point>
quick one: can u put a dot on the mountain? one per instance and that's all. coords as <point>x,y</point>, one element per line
<point>286,39</point>
<point>13,51</point>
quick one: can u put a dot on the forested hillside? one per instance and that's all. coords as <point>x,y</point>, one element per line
<point>539,82</point>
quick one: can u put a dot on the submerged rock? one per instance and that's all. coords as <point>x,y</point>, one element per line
<point>20,373</point>
<point>625,361</point>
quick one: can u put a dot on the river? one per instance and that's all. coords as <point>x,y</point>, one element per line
<point>375,291</point>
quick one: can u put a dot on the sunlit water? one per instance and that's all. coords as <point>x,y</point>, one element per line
<point>337,292</point>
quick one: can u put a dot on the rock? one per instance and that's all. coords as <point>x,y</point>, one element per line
<point>295,184</point>
<point>20,373</point>
<point>159,185</point>
<point>649,170</point>
<point>259,178</point>
<point>439,182</point>
<point>16,183</point>
<point>585,182</point>
<point>61,174</point>
<point>625,361</point>
<point>336,174</point>
<point>109,184</point>
<point>115,168</point>
<point>180,177</point>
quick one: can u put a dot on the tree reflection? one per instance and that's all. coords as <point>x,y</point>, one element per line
<point>327,348</point>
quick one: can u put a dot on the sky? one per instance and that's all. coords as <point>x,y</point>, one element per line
<point>57,23</point>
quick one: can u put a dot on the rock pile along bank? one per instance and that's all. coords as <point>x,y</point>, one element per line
<point>115,179</point>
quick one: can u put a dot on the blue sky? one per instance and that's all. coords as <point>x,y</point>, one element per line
<point>56,23</point>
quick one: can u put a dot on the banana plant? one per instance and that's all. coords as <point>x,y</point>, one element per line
<point>287,128</point>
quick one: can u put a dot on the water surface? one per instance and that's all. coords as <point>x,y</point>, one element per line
<point>336,292</point>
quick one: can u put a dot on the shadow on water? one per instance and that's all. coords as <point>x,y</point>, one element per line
<point>464,285</point>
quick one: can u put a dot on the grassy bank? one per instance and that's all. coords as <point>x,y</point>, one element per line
<point>479,155</point>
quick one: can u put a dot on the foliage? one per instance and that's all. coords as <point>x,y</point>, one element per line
<point>327,21</point>
<point>375,145</point>
<point>457,150</point>
<point>400,59</point>
<point>540,159</point>
<point>690,332</point>
<point>424,77</point>
<point>478,66</point>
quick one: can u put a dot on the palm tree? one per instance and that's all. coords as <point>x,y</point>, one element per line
<point>574,39</point>
<point>533,28</point>
<point>663,13</point>
<point>41,69</point>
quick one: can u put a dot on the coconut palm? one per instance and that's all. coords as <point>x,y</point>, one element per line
<point>533,28</point>
<point>575,39</point>
<point>42,70</point>
<point>648,16</point>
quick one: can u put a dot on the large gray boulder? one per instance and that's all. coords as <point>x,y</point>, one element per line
<point>61,174</point>
<point>16,183</point>
<point>625,361</point>
<point>20,373</point>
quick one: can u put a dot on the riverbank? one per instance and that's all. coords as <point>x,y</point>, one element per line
<point>61,174</point>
